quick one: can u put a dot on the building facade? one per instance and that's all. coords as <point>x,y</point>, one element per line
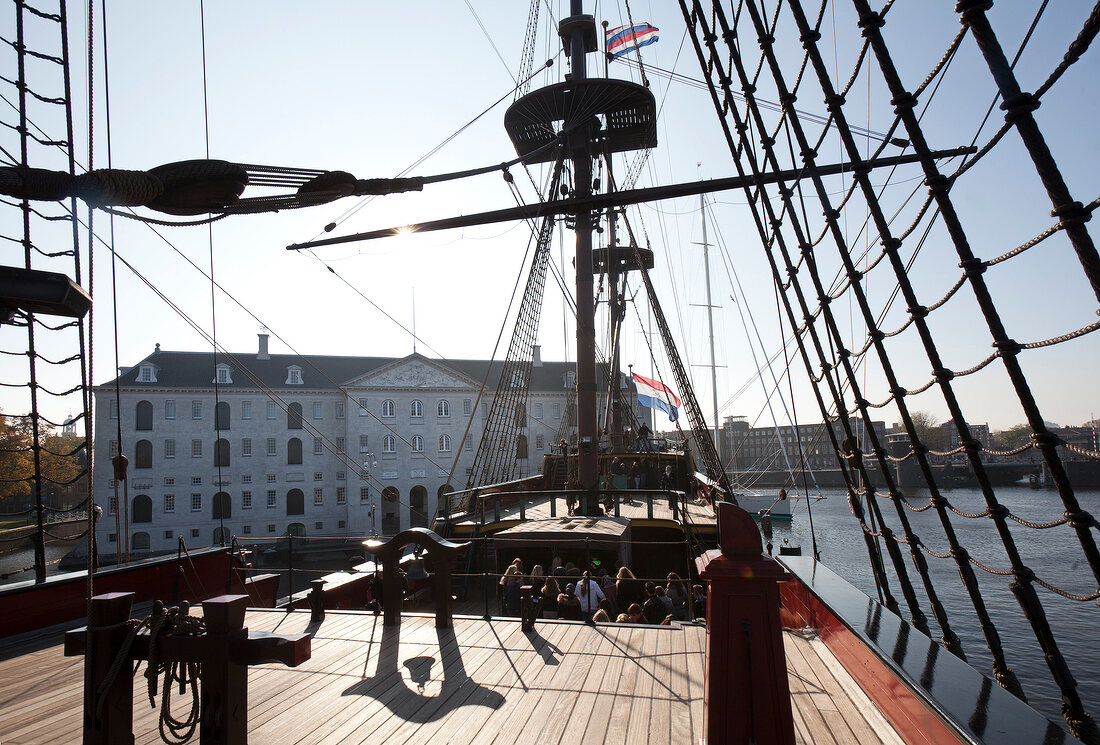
<point>259,445</point>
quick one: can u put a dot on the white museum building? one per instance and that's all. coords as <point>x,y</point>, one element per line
<point>258,445</point>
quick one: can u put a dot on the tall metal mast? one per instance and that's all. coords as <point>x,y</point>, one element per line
<point>710,327</point>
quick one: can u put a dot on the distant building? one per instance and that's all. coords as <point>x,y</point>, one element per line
<point>262,444</point>
<point>747,448</point>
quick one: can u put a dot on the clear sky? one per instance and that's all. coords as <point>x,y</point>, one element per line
<point>371,88</point>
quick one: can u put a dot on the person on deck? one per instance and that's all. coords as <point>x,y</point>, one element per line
<point>569,605</point>
<point>653,609</point>
<point>550,593</point>
<point>634,614</point>
<point>668,484</point>
<point>590,595</point>
<point>628,589</point>
<point>677,593</point>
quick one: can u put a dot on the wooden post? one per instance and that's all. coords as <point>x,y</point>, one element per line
<point>747,695</point>
<point>528,608</point>
<point>225,651</point>
<point>317,601</point>
<point>100,643</point>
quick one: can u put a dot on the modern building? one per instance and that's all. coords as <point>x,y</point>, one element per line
<point>258,445</point>
<point>748,448</point>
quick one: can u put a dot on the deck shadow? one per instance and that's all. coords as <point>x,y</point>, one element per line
<point>457,688</point>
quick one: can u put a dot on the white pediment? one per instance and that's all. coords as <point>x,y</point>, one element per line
<point>413,372</point>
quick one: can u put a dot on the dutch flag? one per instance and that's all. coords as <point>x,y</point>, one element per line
<point>657,395</point>
<point>626,39</point>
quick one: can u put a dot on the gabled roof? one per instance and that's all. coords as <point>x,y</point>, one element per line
<point>320,372</point>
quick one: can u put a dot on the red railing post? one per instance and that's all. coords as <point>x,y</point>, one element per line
<point>747,696</point>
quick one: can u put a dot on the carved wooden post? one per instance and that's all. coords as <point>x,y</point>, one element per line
<point>747,696</point>
<point>100,644</point>
<point>440,553</point>
<point>224,702</point>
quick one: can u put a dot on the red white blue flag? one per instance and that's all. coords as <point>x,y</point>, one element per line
<point>657,395</point>
<point>626,39</point>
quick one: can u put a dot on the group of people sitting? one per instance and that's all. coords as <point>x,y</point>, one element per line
<point>570,594</point>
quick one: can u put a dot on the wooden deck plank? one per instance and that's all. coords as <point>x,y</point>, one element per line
<point>567,683</point>
<point>508,724</point>
<point>637,732</point>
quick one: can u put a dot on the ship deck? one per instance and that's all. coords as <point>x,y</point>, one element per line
<point>484,681</point>
<point>539,508</point>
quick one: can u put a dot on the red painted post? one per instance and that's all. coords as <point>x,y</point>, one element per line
<point>747,696</point>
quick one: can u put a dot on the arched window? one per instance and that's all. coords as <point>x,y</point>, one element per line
<point>388,409</point>
<point>221,452</point>
<point>294,416</point>
<point>418,506</point>
<point>143,454</point>
<point>416,409</point>
<point>143,416</point>
<point>389,444</point>
<point>444,408</point>
<point>444,443</point>
<point>390,494</point>
<point>521,446</point>
<point>223,506</point>
<point>418,444</point>
<point>444,491</point>
<point>296,529</point>
<point>221,415</point>
<point>140,541</point>
<point>141,510</point>
<point>294,452</point>
<point>295,502</point>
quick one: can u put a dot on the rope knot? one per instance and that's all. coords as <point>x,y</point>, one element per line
<point>939,184</point>
<point>968,9</point>
<point>972,446</point>
<point>810,37</point>
<point>973,267</point>
<point>958,552</point>
<point>788,98</point>
<point>903,101</point>
<point>1019,106</point>
<point>939,501</point>
<point>1071,213</point>
<point>834,101</point>
<point>918,311</point>
<point>766,41</point>
<point>998,512</point>
<point>943,375</point>
<point>1007,348</point>
<point>898,392</point>
<point>1024,575</point>
<point>1080,519</point>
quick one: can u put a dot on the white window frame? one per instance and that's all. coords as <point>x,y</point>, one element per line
<point>169,502</point>
<point>246,500</point>
<point>363,407</point>
<point>196,409</point>
<point>318,496</point>
<point>418,444</point>
<point>389,444</point>
<point>416,409</point>
<point>340,408</point>
<point>443,410</point>
<point>363,443</point>
<point>318,446</point>
<point>294,376</point>
<point>318,410</point>
<point>341,495</point>
<point>223,375</point>
<point>444,443</point>
<point>196,448</point>
<point>196,502</point>
<point>170,408</point>
<point>246,409</point>
<point>271,413</point>
<point>389,410</point>
<point>246,447</point>
<point>169,448</point>
<point>272,447</point>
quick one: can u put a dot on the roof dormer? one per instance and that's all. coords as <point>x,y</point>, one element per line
<point>147,373</point>
<point>294,375</point>
<point>223,374</point>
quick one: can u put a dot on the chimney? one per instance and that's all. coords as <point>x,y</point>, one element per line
<point>536,356</point>
<point>262,354</point>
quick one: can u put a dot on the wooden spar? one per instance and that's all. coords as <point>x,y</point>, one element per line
<point>629,196</point>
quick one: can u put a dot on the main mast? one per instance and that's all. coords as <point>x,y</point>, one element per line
<point>586,117</point>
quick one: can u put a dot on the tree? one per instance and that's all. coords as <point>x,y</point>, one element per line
<point>1014,437</point>
<point>61,460</point>
<point>928,430</point>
